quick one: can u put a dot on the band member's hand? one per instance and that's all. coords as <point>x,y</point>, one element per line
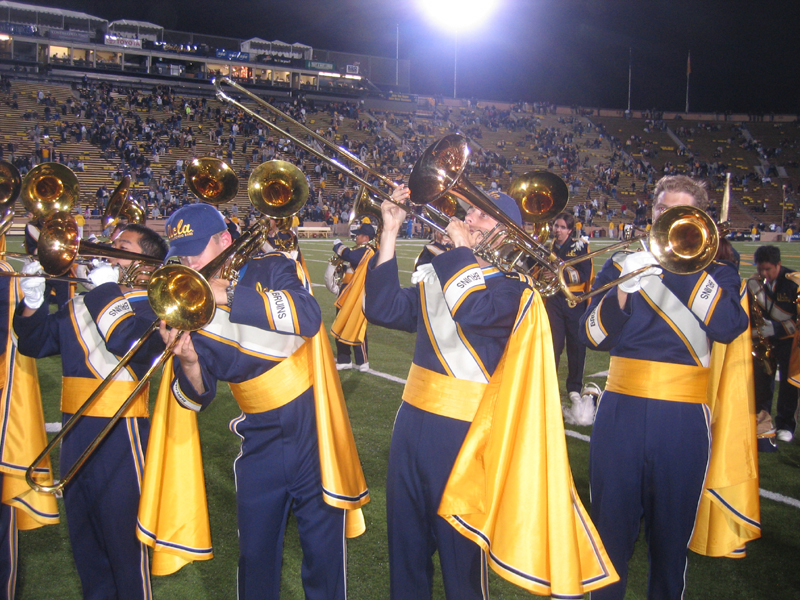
<point>183,349</point>
<point>220,289</point>
<point>459,233</point>
<point>105,273</point>
<point>392,215</point>
<point>32,287</point>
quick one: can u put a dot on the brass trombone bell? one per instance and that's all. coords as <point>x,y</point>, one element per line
<point>277,189</point>
<point>49,188</point>
<point>684,239</point>
<point>58,243</point>
<point>122,206</point>
<point>540,195</point>
<point>60,246</point>
<point>10,182</point>
<point>212,180</point>
<point>181,297</point>
<point>10,186</point>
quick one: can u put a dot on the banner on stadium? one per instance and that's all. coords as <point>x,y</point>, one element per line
<point>320,66</point>
<point>122,42</point>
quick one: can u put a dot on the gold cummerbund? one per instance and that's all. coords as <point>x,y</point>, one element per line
<point>76,390</point>
<point>280,385</point>
<point>657,380</point>
<point>443,395</point>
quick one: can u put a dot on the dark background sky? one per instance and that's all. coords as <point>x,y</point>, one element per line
<point>745,54</point>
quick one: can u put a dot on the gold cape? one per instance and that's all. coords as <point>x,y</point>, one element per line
<point>511,489</point>
<point>22,433</point>
<point>729,511</point>
<point>350,325</point>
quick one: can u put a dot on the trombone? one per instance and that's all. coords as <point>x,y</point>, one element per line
<point>222,96</point>
<point>182,297</point>
<point>122,206</point>
<point>10,186</point>
<point>684,240</point>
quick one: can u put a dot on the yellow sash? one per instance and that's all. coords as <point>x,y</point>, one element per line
<point>729,512</point>
<point>442,395</point>
<point>350,325</point>
<point>661,381</point>
<point>76,390</point>
<point>511,490</point>
<point>22,432</point>
<point>280,385</point>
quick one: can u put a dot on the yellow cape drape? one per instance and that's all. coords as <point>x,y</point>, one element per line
<point>511,489</point>
<point>22,430</point>
<point>173,509</point>
<point>729,511</point>
<point>350,325</point>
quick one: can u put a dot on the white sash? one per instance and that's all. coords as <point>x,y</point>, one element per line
<point>680,316</point>
<point>252,340</point>
<point>453,349</point>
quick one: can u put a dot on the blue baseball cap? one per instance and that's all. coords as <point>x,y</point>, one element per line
<point>506,204</point>
<point>190,228</point>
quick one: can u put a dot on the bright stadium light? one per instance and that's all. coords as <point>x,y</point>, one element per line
<point>457,16</point>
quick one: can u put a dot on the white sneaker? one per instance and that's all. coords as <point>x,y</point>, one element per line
<point>344,366</point>
<point>363,368</point>
<point>574,397</point>
<point>784,435</point>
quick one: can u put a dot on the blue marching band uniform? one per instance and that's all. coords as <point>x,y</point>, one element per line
<point>90,333</point>
<point>259,345</point>
<point>346,328</point>
<point>462,328</point>
<point>651,439</point>
<point>565,320</point>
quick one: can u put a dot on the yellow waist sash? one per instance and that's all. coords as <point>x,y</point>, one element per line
<point>76,390</point>
<point>278,386</point>
<point>443,395</point>
<point>661,381</point>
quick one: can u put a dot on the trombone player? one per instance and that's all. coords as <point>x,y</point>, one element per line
<point>258,343</point>
<point>90,332</point>
<point>650,444</point>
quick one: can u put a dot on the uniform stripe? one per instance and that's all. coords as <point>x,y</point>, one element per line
<point>182,398</point>
<point>251,340</point>
<point>461,285</point>
<point>594,326</point>
<point>704,298</point>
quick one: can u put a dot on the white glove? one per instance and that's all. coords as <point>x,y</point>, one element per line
<point>103,274</point>
<point>330,283</point>
<point>634,262</point>
<point>767,329</point>
<point>32,287</point>
<point>336,242</point>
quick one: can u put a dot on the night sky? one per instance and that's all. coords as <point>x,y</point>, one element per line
<point>745,54</point>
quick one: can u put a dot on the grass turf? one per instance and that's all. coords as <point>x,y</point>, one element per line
<point>769,570</point>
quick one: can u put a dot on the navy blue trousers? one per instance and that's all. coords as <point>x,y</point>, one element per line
<point>647,459</point>
<point>102,504</point>
<point>787,393</point>
<point>423,450</point>
<point>8,550</point>
<point>564,325</point>
<point>278,470</point>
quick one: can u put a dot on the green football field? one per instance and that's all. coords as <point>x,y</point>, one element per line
<point>769,571</point>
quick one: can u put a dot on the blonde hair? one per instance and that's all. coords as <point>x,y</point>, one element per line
<point>682,184</point>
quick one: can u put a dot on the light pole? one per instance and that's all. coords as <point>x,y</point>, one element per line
<point>455,64</point>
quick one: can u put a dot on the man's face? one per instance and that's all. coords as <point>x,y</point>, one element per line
<point>670,199</point>
<point>128,241</point>
<point>768,271</point>
<point>215,246</point>
<point>478,221</point>
<point>362,239</point>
